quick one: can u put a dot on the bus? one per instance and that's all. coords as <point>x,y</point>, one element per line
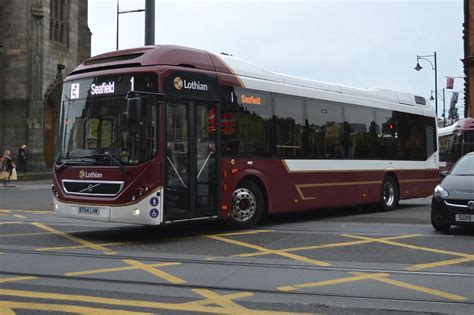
<point>165,134</point>
<point>455,141</point>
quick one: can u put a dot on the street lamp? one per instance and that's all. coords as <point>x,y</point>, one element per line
<point>418,67</point>
<point>123,12</point>
<point>443,98</point>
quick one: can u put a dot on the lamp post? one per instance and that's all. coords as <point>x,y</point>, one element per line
<point>433,67</point>
<point>444,103</point>
<point>123,12</point>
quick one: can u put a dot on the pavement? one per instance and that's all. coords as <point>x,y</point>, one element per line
<point>31,177</point>
<point>28,176</point>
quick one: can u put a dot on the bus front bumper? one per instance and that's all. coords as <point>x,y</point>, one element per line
<point>148,211</point>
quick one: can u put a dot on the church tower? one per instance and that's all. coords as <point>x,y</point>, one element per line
<point>40,42</point>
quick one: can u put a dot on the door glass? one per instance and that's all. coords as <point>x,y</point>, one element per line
<point>177,156</point>
<point>206,160</point>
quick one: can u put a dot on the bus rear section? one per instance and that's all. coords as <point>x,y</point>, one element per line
<point>455,141</point>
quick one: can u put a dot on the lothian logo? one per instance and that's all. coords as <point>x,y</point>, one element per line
<point>178,83</point>
<point>96,175</point>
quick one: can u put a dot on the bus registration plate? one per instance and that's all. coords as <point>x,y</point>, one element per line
<point>464,218</point>
<point>89,211</point>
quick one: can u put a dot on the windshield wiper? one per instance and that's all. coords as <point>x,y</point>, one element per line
<point>112,158</point>
<point>67,162</point>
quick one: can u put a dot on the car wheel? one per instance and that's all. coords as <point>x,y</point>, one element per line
<point>247,205</point>
<point>389,196</point>
<point>441,227</point>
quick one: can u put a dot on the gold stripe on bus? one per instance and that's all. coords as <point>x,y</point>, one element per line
<point>300,186</point>
<point>285,165</point>
<point>418,180</point>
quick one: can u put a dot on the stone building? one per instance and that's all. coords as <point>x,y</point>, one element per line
<point>469,57</point>
<point>40,42</point>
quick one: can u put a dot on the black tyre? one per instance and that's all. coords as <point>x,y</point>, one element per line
<point>441,227</point>
<point>389,196</point>
<point>247,205</point>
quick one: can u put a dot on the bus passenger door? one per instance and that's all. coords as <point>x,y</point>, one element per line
<point>191,160</point>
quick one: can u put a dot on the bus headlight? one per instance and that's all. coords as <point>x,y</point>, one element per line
<point>440,192</point>
<point>136,212</point>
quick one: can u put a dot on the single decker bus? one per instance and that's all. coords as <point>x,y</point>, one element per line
<point>455,141</point>
<point>164,134</point>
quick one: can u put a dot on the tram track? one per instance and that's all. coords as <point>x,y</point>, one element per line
<point>233,289</point>
<point>253,264</point>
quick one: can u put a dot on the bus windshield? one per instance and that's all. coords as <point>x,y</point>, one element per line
<point>98,131</point>
<point>468,145</point>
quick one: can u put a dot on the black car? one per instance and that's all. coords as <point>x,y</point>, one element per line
<point>453,199</point>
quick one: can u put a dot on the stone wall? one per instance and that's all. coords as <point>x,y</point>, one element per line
<point>29,68</point>
<point>14,100</point>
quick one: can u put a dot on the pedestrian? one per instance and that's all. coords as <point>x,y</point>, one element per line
<point>14,176</point>
<point>7,167</point>
<point>22,159</point>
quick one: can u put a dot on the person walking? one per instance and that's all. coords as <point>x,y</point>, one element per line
<point>14,176</point>
<point>7,167</point>
<point>22,159</point>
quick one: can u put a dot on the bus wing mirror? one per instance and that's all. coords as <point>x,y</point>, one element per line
<point>134,108</point>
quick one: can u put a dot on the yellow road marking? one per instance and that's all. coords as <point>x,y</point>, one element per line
<point>381,277</point>
<point>270,251</point>
<point>126,243</point>
<point>26,211</point>
<point>32,234</point>
<point>74,239</point>
<point>128,303</point>
<point>341,244</point>
<point>18,216</point>
<point>12,222</point>
<point>82,246</point>
<point>413,287</point>
<point>105,270</point>
<point>136,265</point>
<point>467,257</point>
<point>210,301</point>
<point>331,282</point>
<point>4,280</point>
<point>6,307</point>
<point>243,233</point>
<point>156,272</point>
<point>6,310</point>
<point>225,301</point>
<point>443,263</point>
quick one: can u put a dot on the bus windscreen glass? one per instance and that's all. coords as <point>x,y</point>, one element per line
<point>95,128</point>
<point>468,141</point>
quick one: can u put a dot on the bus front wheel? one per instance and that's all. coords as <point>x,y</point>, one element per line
<point>389,196</point>
<point>247,205</point>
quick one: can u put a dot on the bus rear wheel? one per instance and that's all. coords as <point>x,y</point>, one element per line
<point>247,205</point>
<point>389,196</point>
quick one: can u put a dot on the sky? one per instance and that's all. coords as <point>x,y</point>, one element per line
<point>357,43</point>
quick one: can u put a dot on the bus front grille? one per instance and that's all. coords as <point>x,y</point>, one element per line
<point>92,188</point>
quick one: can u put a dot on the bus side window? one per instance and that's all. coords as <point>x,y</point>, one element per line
<point>324,130</point>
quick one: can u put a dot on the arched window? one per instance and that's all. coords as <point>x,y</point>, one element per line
<point>59,21</point>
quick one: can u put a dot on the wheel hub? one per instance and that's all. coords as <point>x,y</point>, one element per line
<point>244,205</point>
<point>388,194</point>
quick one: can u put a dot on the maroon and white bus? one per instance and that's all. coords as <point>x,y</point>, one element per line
<point>163,134</point>
<point>455,141</point>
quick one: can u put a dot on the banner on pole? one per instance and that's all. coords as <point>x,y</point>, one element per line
<point>449,83</point>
